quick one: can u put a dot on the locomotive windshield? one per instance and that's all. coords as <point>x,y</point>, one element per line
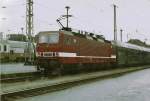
<point>49,38</point>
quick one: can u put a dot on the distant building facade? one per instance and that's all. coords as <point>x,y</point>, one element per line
<point>1,35</point>
<point>12,51</point>
<point>7,46</point>
<point>14,47</point>
<point>17,37</point>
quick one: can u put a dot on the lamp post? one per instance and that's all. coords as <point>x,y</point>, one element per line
<point>121,30</point>
<point>115,24</point>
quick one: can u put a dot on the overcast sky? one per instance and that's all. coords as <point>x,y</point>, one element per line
<point>133,16</point>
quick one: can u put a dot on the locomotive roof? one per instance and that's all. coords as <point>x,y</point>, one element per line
<point>83,34</point>
<point>87,35</point>
<point>130,46</point>
<point>46,32</point>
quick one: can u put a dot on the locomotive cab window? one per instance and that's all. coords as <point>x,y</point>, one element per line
<point>43,39</point>
<point>50,38</point>
<point>53,38</point>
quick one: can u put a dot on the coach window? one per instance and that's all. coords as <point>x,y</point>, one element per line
<point>5,48</point>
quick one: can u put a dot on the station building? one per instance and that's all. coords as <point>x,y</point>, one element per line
<point>7,46</point>
<point>12,50</point>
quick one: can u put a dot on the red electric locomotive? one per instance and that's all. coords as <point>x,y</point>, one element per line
<point>68,52</point>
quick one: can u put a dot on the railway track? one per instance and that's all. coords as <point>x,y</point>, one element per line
<point>60,84</point>
<point>12,96</point>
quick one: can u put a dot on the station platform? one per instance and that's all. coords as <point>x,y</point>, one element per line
<point>16,68</point>
<point>42,82</point>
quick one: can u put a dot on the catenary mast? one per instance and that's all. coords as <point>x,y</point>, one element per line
<point>29,30</point>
